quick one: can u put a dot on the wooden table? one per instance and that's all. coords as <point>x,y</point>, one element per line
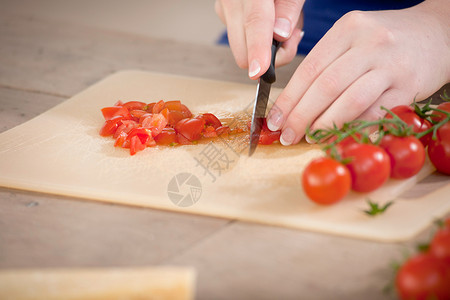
<point>44,62</point>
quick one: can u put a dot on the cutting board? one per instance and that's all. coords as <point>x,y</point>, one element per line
<point>155,283</point>
<point>61,152</point>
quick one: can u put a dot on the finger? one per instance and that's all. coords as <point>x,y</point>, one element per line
<point>327,50</point>
<point>390,98</point>
<point>362,94</point>
<point>288,49</point>
<point>258,23</point>
<point>232,12</point>
<point>287,14</point>
<point>328,87</point>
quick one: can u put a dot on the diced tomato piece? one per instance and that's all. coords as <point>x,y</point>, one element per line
<point>118,103</point>
<point>182,140</point>
<point>191,129</point>
<point>137,114</point>
<point>211,120</point>
<point>135,105</point>
<point>113,111</point>
<point>127,126</point>
<point>223,130</point>
<point>142,118</point>
<point>165,113</point>
<point>174,117</point>
<point>155,123</point>
<point>185,111</point>
<point>120,139</point>
<point>150,106</point>
<point>136,145</point>
<point>209,132</point>
<point>141,133</point>
<point>167,136</point>
<point>174,105</point>
<point>267,137</point>
<point>158,107</point>
<point>110,126</point>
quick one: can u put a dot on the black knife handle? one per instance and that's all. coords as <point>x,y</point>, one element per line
<point>269,76</point>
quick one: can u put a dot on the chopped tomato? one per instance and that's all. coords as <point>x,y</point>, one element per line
<point>174,105</point>
<point>114,111</point>
<point>136,145</point>
<point>111,125</point>
<point>210,120</point>
<point>158,107</point>
<point>141,133</point>
<point>120,139</point>
<point>185,111</point>
<point>134,105</point>
<point>267,137</point>
<point>174,117</point>
<point>209,132</point>
<point>155,123</point>
<point>137,114</point>
<point>127,126</point>
<point>223,130</point>
<point>149,107</point>
<point>168,136</point>
<point>191,129</point>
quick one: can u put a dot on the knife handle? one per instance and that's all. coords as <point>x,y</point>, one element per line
<point>269,76</point>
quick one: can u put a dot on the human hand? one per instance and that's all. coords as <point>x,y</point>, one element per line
<point>366,60</point>
<point>252,24</point>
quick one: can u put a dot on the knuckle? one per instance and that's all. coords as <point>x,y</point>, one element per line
<point>355,19</point>
<point>311,68</point>
<point>252,19</point>
<point>288,5</point>
<point>329,85</point>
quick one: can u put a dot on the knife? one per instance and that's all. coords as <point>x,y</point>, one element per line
<point>261,99</point>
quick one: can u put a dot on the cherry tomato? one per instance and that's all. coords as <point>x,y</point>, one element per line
<point>268,137</point>
<point>439,149</point>
<point>437,115</point>
<point>350,140</point>
<point>423,277</point>
<point>440,245</point>
<point>408,115</point>
<point>407,155</point>
<point>134,105</point>
<point>190,128</point>
<point>168,136</point>
<point>209,132</point>
<point>111,125</point>
<point>155,123</point>
<point>114,111</point>
<point>369,166</point>
<point>185,111</point>
<point>326,181</point>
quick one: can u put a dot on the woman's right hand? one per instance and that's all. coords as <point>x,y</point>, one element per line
<point>251,26</point>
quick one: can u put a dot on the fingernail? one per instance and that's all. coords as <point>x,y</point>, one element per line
<point>282,27</point>
<point>254,68</point>
<point>275,120</point>
<point>309,140</point>
<point>287,137</point>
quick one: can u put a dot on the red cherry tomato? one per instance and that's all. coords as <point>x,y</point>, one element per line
<point>408,115</point>
<point>190,129</point>
<point>407,155</point>
<point>369,166</point>
<point>158,107</point>
<point>136,145</point>
<point>439,149</point>
<point>174,105</point>
<point>423,277</point>
<point>326,181</point>
<point>437,115</point>
<point>174,117</point>
<point>440,245</point>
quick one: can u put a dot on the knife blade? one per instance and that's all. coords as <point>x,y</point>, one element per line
<point>261,99</point>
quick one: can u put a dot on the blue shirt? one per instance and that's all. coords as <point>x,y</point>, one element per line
<point>320,15</point>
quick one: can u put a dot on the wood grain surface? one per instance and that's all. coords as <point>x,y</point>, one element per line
<point>43,62</point>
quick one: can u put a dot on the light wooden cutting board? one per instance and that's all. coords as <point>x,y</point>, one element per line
<point>60,152</point>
